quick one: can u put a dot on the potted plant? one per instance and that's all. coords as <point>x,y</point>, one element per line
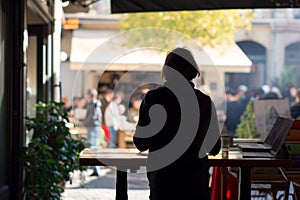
<point>247,126</point>
<point>51,155</point>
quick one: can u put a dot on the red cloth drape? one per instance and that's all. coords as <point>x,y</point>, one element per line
<point>232,184</point>
<point>106,132</point>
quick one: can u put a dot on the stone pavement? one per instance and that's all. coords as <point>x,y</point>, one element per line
<point>85,187</point>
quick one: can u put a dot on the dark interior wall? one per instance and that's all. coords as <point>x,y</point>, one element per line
<point>3,185</point>
<point>14,93</point>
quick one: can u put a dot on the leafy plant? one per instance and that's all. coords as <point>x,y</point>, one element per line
<point>51,154</point>
<point>247,126</point>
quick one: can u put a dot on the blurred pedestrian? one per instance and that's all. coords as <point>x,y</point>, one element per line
<point>93,117</point>
<point>277,91</point>
<point>80,110</point>
<point>234,111</point>
<point>112,120</point>
<point>133,112</point>
<point>270,95</point>
<point>295,109</point>
<point>243,96</point>
<point>266,88</point>
<point>93,122</point>
<point>293,92</point>
<point>105,101</point>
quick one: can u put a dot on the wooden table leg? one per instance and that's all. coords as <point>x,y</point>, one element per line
<point>245,183</point>
<point>121,185</point>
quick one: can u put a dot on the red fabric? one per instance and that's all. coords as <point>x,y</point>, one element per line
<point>231,187</point>
<point>106,132</point>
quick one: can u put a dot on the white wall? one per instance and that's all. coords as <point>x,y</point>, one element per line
<point>72,82</point>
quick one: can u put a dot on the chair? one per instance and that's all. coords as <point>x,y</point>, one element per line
<point>125,139</point>
<point>269,181</point>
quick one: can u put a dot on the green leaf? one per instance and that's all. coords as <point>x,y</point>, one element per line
<point>51,155</point>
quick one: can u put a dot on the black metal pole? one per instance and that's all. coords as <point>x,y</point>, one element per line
<point>121,185</point>
<point>245,183</point>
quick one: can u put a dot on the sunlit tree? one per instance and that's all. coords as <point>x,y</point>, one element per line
<point>207,27</point>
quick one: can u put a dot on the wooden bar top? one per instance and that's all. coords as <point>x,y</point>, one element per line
<point>133,158</point>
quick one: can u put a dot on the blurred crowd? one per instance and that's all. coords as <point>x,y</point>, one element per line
<point>237,100</point>
<point>103,114</point>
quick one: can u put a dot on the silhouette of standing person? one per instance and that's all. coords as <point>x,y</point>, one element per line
<point>187,176</point>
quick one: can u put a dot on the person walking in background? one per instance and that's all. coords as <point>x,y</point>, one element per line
<point>105,101</point>
<point>93,119</point>
<point>133,112</point>
<point>293,93</point>
<point>277,91</point>
<point>187,177</point>
<point>112,119</point>
<point>234,110</point>
<point>93,122</point>
<point>295,109</point>
<point>80,110</point>
<point>266,89</point>
<point>243,96</point>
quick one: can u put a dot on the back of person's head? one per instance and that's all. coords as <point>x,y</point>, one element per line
<point>266,88</point>
<point>117,99</point>
<point>181,60</point>
<point>107,92</point>
<point>270,95</point>
<point>243,88</point>
<point>298,96</point>
<point>75,99</point>
<point>277,91</point>
<point>259,93</point>
<point>230,91</point>
<point>137,96</point>
<point>92,93</point>
<point>293,91</point>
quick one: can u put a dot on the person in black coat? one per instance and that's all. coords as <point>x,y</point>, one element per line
<point>234,110</point>
<point>178,125</point>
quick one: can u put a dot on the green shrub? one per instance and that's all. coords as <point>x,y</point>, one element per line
<point>51,155</point>
<point>247,126</point>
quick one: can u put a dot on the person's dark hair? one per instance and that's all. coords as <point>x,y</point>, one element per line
<point>259,93</point>
<point>270,95</point>
<point>230,91</point>
<point>182,61</point>
<point>137,96</point>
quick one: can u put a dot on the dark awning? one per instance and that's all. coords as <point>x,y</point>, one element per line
<point>126,6</point>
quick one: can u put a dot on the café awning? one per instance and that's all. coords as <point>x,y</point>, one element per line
<point>127,6</point>
<point>91,51</point>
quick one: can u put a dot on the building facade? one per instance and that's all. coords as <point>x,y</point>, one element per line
<point>88,59</point>
<point>272,44</point>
